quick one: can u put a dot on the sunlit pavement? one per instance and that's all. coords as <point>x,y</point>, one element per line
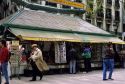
<point>94,77</point>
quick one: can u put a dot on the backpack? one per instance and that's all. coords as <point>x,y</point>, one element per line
<point>86,53</point>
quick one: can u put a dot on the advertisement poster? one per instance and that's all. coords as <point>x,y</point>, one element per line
<point>15,58</point>
<point>60,52</point>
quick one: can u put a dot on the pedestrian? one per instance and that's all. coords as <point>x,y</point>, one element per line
<point>37,63</point>
<point>87,58</point>
<point>23,53</point>
<point>4,58</point>
<point>108,62</point>
<point>72,60</point>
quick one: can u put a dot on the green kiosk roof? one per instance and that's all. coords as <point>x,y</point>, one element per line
<point>43,26</point>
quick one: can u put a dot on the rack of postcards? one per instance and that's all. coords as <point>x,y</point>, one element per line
<point>15,59</point>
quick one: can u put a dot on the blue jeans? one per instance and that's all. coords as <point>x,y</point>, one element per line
<point>108,65</point>
<point>72,66</point>
<point>5,71</point>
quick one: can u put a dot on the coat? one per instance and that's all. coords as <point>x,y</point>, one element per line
<point>37,57</point>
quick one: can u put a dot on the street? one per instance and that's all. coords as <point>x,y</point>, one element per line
<point>94,77</point>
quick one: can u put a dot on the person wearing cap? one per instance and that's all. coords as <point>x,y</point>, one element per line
<point>36,61</point>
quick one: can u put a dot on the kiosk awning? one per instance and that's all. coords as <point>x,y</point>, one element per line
<point>39,35</point>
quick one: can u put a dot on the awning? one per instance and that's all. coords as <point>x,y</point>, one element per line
<point>39,35</point>
<point>100,39</point>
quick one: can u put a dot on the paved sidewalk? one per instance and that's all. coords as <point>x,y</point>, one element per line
<point>94,77</point>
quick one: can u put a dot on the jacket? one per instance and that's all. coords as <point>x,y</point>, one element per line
<point>4,55</point>
<point>37,57</point>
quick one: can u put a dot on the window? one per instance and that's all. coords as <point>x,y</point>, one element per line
<point>117,15</point>
<point>123,27</point>
<point>109,2</point>
<point>108,13</point>
<point>117,3</point>
<point>108,27</point>
<point>99,24</point>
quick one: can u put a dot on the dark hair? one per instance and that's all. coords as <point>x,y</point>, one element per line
<point>109,44</point>
<point>3,42</point>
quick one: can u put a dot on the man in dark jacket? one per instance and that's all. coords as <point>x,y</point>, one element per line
<point>72,60</point>
<point>108,61</point>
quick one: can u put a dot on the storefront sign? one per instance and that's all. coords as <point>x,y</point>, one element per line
<point>71,3</point>
<point>68,3</point>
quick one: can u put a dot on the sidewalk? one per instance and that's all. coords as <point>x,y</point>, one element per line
<point>94,77</point>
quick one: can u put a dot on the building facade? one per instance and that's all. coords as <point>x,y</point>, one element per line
<point>106,14</point>
<point>7,8</point>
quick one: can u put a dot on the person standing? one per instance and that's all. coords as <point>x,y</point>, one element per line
<point>37,63</point>
<point>87,58</point>
<point>72,60</point>
<point>4,58</point>
<point>108,62</point>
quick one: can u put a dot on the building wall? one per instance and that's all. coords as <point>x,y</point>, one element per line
<point>7,8</point>
<point>109,19</point>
